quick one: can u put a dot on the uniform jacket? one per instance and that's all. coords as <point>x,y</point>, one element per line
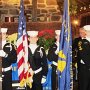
<point>83,50</point>
<point>9,58</point>
<point>39,59</point>
<point>52,56</point>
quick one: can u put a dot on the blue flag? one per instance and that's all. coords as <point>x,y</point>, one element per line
<point>14,72</point>
<point>65,76</point>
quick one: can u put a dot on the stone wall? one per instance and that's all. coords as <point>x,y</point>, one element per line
<point>47,10</point>
<point>10,9</point>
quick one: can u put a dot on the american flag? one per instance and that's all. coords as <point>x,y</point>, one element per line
<point>22,50</point>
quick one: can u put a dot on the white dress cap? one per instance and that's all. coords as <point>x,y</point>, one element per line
<point>3,30</point>
<point>87,27</point>
<point>32,33</point>
<point>57,32</point>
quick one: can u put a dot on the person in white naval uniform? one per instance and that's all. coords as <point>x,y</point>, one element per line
<point>40,61</point>
<point>57,32</point>
<point>9,56</point>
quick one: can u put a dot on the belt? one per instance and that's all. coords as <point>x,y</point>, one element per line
<point>54,63</point>
<point>6,69</point>
<point>38,70</point>
<point>82,62</point>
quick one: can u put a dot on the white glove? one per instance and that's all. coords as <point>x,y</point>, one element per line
<point>2,53</point>
<point>43,79</point>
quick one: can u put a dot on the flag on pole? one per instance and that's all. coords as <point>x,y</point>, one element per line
<point>65,76</point>
<point>25,76</point>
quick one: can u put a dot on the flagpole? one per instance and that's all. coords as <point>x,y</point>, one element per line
<point>25,86</point>
<point>68,22</point>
